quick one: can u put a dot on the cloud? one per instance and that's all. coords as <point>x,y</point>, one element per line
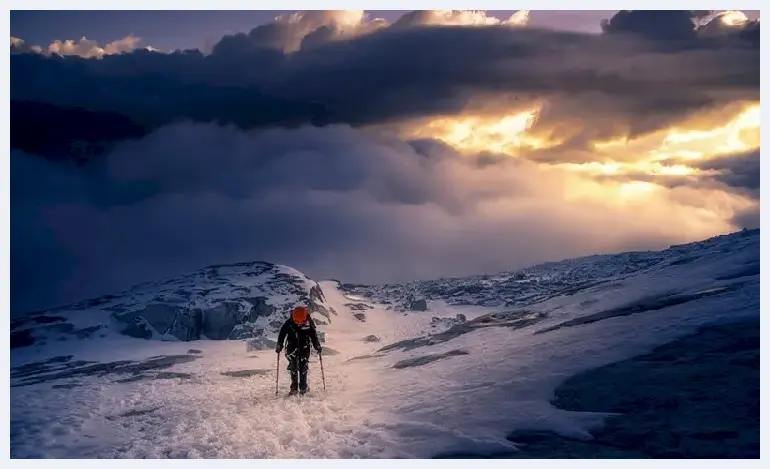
<point>292,32</point>
<point>362,72</point>
<point>334,202</point>
<point>663,25</point>
<point>304,30</point>
<point>682,25</point>
<point>459,18</point>
<point>84,47</point>
<point>738,171</point>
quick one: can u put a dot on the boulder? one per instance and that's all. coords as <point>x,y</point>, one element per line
<point>260,343</point>
<point>371,339</point>
<point>418,305</point>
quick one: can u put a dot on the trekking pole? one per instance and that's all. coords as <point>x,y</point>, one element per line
<point>323,378</point>
<point>277,367</point>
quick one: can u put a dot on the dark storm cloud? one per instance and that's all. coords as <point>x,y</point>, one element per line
<point>737,171</point>
<point>748,219</point>
<point>596,86</point>
<point>333,202</point>
<point>664,25</point>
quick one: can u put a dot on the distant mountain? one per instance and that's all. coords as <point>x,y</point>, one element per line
<point>533,284</point>
<point>237,301</point>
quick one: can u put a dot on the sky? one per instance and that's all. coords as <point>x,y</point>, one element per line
<point>377,147</point>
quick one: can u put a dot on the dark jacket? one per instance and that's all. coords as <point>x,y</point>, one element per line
<point>299,337</point>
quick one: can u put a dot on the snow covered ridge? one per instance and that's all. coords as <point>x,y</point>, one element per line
<point>235,301</point>
<point>538,283</point>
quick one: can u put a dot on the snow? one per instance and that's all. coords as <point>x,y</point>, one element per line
<point>464,402</point>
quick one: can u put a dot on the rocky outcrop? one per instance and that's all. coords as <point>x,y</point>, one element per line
<point>259,343</point>
<point>442,324</point>
<point>418,305</point>
<point>236,301</point>
<point>218,322</point>
<point>162,320</point>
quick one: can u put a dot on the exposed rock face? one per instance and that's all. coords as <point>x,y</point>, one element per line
<point>218,322</point>
<point>237,301</point>
<point>419,305</point>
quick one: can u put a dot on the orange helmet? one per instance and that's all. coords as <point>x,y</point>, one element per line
<point>299,314</point>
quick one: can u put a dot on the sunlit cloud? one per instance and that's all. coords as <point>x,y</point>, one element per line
<point>83,47</point>
<point>624,171</point>
<point>733,18</point>
<point>506,134</point>
<point>470,18</point>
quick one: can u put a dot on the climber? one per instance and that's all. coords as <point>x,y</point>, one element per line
<point>299,332</point>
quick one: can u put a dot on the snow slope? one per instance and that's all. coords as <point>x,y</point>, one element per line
<point>414,390</point>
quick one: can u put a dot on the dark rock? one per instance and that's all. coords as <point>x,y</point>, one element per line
<point>131,379</point>
<point>87,331</point>
<point>259,343</point>
<point>245,373</point>
<point>365,357</point>
<point>511,319</point>
<point>159,315</point>
<point>195,351</point>
<point>180,322</point>
<point>360,316</point>
<point>136,330</point>
<point>371,338</point>
<point>219,321</point>
<point>424,360</point>
<point>259,308</point>
<point>418,305</point>
<point>138,412</point>
<point>171,375</point>
<point>188,324</point>
<point>41,372</point>
<point>65,386</point>
<point>530,436</point>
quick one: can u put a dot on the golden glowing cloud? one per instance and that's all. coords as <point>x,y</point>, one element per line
<point>668,152</point>
<point>621,172</point>
<point>733,18</point>
<point>472,134</point>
